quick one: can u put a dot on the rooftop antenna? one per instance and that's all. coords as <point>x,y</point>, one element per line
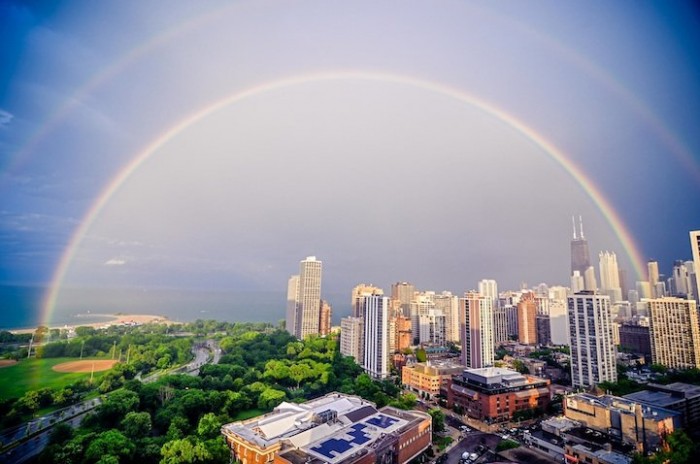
<point>573,223</point>
<point>580,220</point>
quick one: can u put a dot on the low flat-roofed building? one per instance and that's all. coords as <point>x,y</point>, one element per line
<point>546,442</point>
<point>678,396</point>
<point>496,393</point>
<point>590,454</point>
<point>335,428</point>
<point>429,377</point>
<point>621,419</point>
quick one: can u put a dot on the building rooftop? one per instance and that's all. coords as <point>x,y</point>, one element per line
<point>329,429</point>
<point>624,405</point>
<point>602,455</point>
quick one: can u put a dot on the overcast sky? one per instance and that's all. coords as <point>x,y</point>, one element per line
<point>364,162</point>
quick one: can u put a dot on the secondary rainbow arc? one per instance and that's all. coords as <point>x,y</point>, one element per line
<point>587,185</point>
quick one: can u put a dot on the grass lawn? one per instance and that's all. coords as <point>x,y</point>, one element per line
<point>243,415</point>
<point>34,374</point>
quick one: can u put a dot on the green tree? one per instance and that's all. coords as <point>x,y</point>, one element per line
<point>111,442</point>
<point>184,451</point>
<point>270,398</point>
<point>136,424</point>
<point>438,420</point>
<point>421,355</point>
<point>209,426</point>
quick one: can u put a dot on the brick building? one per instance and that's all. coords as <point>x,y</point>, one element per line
<point>494,393</point>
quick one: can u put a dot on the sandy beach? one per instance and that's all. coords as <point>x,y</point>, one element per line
<point>110,319</point>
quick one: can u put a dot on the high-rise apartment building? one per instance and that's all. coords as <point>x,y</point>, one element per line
<point>695,247</point>
<point>591,338</point>
<point>476,328</point>
<point>292,299</point>
<point>580,256</point>
<point>674,332</point>
<point>500,325</point>
<point>309,303</point>
<point>351,337</point>
<point>448,304</point>
<point>527,319</point>
<point>359,291</point>
<point>432,327</point>
<point>376,336</point>
<point>421,304</point>
<point>558,322</point>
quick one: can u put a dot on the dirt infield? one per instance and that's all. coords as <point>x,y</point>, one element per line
<point>7,363</point>
<point>85,365</point>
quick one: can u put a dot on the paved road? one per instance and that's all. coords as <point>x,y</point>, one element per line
<point>35,445</point>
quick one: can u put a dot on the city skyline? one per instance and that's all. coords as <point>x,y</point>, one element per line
<point>210,146</point>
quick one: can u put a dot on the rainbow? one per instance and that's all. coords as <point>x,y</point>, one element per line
<point>537,139</point>
<point>676,147</point>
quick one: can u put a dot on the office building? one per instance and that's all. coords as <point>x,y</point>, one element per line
<point>681,397</point>
<point>653,270</point>
<point>591,338</point>
<point>674,332</point>
<point>495,393</point>
<point>333,429</point>
<point>428,378</point>
<point>609,276</point>
<point>580,255</point>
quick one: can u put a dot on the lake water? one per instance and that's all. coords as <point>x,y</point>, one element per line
<point>20,306</point>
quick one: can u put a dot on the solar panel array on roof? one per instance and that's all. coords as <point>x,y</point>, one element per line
<point>382,421</point>
<point>341,445</point>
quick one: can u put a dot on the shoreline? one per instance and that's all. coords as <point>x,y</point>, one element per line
<point>110,319</point>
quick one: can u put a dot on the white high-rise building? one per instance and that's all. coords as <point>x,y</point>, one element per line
<point>577,282</point>
<point>292,302</point>
<point>432,327</point>
<point>591,338</point>
<point>448,304</point>
<point>590,282</point>
<point>610,276</point>
<point>376,336</point>
<point>476,328</point>
<point>558,322</point>
<point>420,305</point>
<point>309,304</point>
<point>489,288</point>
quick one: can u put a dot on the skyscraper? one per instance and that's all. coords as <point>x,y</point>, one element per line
<point>476,320</point>
<point>448,304</point>
<point>653,270</point>
<point>580,256</point>
<point>674,331</point>
<point>376,336</point>
<point>325,316</point>
<point>610,276</point>
<point>309,302</point>
<point>591,338</point>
